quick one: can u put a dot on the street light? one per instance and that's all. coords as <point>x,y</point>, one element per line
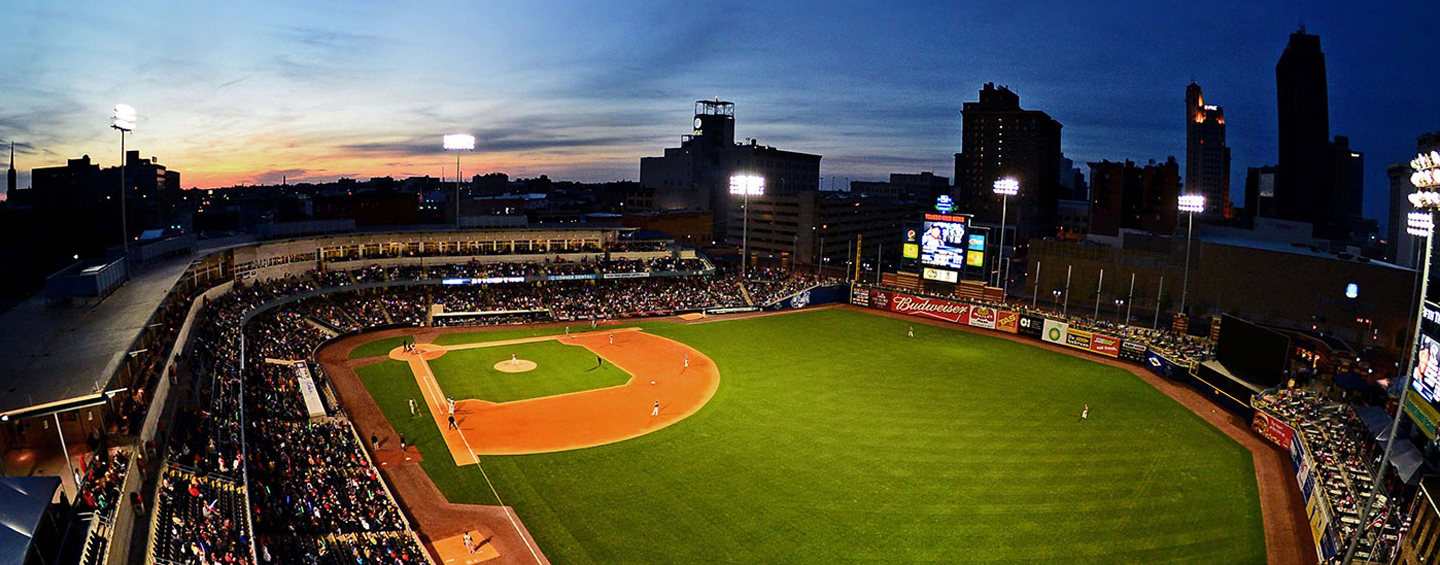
<point>458,142</point>
<point>124,120</point>
<point>746,185</point>
<point>1190,204</point>
<point>1006,188</point>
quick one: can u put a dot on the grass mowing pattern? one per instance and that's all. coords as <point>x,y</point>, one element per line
<point>470,373</point>
<point>867,445</point>
<point>378,347</point>
<point>461,338</point>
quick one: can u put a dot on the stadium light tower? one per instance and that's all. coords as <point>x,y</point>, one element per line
<point>458,142</point>
<point>124,120</point>
<point>1420,223</point>
<point>746,185</point>
<point>1190,204</point>
<point>1006,188</point>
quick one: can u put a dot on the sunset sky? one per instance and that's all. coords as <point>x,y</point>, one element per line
<point>247,91</point>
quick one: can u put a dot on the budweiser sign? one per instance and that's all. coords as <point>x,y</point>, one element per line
<point>931,308</point>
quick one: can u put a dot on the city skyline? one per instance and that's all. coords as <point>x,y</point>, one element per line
<point>230,95</point>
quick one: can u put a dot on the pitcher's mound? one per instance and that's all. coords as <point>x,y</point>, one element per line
<point>519,366</point>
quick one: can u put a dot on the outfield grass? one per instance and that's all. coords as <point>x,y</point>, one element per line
<point>378,347</point>
<point>870,446</point>
<point>470,373</point>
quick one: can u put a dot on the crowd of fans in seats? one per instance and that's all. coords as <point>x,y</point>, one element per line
<point>766,286</point>
<point>200,521</point>
<point>313,493</point>
<point>1346,458</point>
<point>101,487</point>
<point>346,549</point>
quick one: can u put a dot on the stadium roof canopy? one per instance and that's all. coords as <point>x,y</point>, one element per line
<point>58,358</point>
<point>23,501</point>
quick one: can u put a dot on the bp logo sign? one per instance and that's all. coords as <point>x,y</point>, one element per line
<point>1054,334</point>
<point>801,300</point>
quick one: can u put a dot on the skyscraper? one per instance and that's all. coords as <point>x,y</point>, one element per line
<point>1305,178</point>
<point>1207,159</point>
<point>998,140</point>
<point>10,175</point>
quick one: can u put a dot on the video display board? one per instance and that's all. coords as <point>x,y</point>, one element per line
<point>943,244</point>
<point>1426,380</point>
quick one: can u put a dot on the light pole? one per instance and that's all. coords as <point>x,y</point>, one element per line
<point>1190,204</point>
<point>123,120</point>
<point>1006,188</point>
<point>1420,224</point>
<point>458,142</point>
<point>746,185</point>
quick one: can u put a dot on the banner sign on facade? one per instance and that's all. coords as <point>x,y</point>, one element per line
<point>1007,321</point>
<point>1054,332</point>
<point>1033,326</point>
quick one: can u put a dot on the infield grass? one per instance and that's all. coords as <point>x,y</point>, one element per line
<point>560,369</point>
<point>835,438</point>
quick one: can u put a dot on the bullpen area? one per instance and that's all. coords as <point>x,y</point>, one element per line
<point>814,437</point>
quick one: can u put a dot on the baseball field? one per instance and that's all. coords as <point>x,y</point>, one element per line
<point>831,437</point>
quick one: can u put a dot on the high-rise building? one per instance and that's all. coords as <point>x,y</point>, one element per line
<point>1207,158</point>
<point>1260,192</point>
<point>10,174</point>
<point>696,175</point>
<point>1349,169</point>
<point>1305,178</point>
<point>1125,196</point>
<point>999,140</point>
<point>1400,246</point>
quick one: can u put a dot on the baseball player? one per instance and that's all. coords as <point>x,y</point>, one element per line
<point>1085,413</point>
<point>911,331</point>
<point>656,410</point>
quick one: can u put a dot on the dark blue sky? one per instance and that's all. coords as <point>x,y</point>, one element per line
<point>247,92</point>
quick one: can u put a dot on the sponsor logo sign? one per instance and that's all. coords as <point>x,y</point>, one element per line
<point>982,317</point>
<point>1033,326</point>
<point>941,275</point>
<point>860,297</point>
<point>1054,332</point>
<point>572,277</point>
<point>1007,321</point>
<point>1273,429</point>
<point>880,299</point>
<point>1079,339</point>
<point>930,308</point>
<point>639,275</point>
<point>1105,345</point>
<point>800,300</point>
<point>1422,413</point>
<point>1133,350</point>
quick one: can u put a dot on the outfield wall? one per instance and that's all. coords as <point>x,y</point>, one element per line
<point>1057,332</point>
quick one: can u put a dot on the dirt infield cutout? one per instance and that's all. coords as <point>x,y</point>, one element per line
<point>673,375</point>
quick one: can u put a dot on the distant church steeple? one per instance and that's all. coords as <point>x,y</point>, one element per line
<point>10,176</point>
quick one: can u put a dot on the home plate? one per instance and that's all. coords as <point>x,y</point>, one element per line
<point>452,550</point>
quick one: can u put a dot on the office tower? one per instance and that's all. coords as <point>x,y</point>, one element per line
<point>1207,158</point>
<point>1000,139</point>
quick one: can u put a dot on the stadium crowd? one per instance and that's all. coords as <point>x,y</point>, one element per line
<point>1346,458</point>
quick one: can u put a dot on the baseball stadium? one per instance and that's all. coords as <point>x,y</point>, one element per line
<point>589,396</point>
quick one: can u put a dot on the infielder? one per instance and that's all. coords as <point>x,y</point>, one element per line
<point>656,410</point>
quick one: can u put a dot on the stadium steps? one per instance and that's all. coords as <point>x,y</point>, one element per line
<point>384,311</point>
<point>745,293</point>
<point>323,327</point>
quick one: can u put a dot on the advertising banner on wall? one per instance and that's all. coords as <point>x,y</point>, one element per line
<point>982,317</point>
<point>1274,429</point>
<point>1133,350</point>
<point>1079,339</point>
<point>933,308</point>
<point>1163,366</point>
<point>1033,326</point>
<point>860,297</point>
<point>1054,332</point>
<point>813,297</point>
<point>1107,345</point>
<point>1007,321</point>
